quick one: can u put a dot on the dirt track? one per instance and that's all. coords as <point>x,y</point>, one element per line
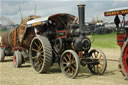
<point>27,76</point>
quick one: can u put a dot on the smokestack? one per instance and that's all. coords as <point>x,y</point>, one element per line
<point>81,14</point>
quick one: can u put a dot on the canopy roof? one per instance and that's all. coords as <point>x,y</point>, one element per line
<point>59,19</point>
<point>117,11</point>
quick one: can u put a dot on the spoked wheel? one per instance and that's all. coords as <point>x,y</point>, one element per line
<point>70,63</point>
<point>124,59</point>
<point>2,55</point>
<point>41,54</point>
<point>98,62</point>
<point>17,59</point>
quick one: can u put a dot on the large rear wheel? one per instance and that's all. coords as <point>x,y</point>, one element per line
<point>41,54</point>
<point>124,59</point>
<point>70,63</point>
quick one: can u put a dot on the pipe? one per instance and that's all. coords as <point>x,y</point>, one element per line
<point>81,14</point>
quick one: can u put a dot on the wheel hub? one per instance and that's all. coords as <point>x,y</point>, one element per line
<point>14,59</point>
<point>69,64</point>
<point>38,54</point>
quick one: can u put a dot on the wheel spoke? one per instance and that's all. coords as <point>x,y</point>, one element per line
<point>100,56</point>
<point>69,57</point>
<point>65,59</point>
<point>42,55</point>
<point>40,59</point>
<point>39,43</point>
<point>64,63</point>
<point>65,67</point>
<point>40,48</point>
<point>39,66</point>
<point>35,57</point>
<point>34,50</point>
<point>36,63</point>
<point>73,69</point>
<point>95,55</point>
<point>101,64</point>
<point>73,62</point>
<point>68,70</point>
<point>42,51</point>
<point>100,60</point>
<point>36,45</point>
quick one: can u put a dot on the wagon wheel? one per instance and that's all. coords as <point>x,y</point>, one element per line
<point>98,62</point>
<point>124,59</point>
<point>70,63</point>
<point>17,59</point>
<point>2,55</point>
<point>41,54</point>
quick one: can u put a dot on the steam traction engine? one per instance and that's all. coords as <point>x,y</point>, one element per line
<point>65,41</point>
<point>122,36</point>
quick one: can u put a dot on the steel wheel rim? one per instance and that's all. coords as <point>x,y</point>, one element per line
<point>125,59</point>
<point>37,54</point>
<point>70,64</point>
<point>100,67</point>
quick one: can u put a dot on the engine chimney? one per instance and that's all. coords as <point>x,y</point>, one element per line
<point>81,14</point>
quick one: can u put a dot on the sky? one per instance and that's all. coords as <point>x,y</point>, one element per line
<point>9,9</point>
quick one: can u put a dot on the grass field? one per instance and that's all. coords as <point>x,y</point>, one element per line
<point>105,41</point>
<point>1,32</point>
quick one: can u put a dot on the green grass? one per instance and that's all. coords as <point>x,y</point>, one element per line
<point>3,31</point>
<point>105,41</point>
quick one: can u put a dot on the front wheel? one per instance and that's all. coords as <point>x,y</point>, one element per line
<point>70,63</point>
<point>2,55</point>
<point>98,62</point>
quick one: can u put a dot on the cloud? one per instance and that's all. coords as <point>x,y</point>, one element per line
<point>10,8</point>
